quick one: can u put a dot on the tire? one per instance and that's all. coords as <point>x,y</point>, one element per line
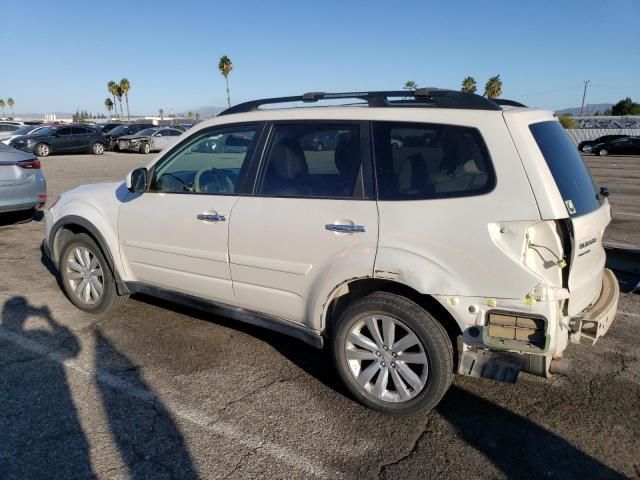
<point>603,152</point>
<point>42,150</point>
<point>97,148</point>
<point>434,349</point>
<point>83,268</point>
<point>586,148</point>
<point>145,148</point>
<point>319,147</point>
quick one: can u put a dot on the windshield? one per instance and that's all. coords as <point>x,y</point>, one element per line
<point>24,130</point>
<point>118,130</point>
<point>146,132</point>
<point>576,185</point>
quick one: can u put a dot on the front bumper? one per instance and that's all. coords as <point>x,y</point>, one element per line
<point>595,321</point>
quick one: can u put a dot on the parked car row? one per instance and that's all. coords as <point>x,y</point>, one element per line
<point>44,140</point>
<point>611,144</point>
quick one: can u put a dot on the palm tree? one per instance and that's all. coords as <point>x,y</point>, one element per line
<point>161,112</point>
<point>112,87</point>
<point>125,86</point>
<point>225,66</point>
<point>2,106</point>
<point>410,85</point>
<point>109,105</point>
<point>119,94</point>
<point>11,103</point>
<point>469,85</point>
<point>493,87</point>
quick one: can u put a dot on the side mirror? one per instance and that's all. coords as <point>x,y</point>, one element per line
<point>157,135</point>
<point>137,180</point>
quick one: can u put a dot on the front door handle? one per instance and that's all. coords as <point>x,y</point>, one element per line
<point>333,227</point>
<point>211,217</point>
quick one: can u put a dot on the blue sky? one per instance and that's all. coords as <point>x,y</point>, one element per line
<point>61,54</point>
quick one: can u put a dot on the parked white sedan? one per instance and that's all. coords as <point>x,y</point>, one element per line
<point>149,140</point>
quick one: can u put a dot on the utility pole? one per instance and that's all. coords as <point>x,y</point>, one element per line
<point>584,94</point>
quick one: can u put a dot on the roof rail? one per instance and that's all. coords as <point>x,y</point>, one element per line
<point>503,102</point>
<point>422,97</point>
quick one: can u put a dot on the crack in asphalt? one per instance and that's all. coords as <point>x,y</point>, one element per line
<point>245,456</point>
<point>413,444</point>
<point>258,389</point>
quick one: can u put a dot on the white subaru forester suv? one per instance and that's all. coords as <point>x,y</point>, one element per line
<point>417,234</point>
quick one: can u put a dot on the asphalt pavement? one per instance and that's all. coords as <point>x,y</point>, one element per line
<point>156,390</point>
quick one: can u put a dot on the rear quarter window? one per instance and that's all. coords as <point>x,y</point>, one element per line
<point>573,179</point>
<point>420,161</point>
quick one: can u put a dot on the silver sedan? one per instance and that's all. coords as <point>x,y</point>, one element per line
<point>22,184</point>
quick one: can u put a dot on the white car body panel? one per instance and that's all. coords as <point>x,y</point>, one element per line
<point>285,263</point>
<point>172,249</point>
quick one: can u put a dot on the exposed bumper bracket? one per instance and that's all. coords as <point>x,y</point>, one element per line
<point>503,367</point>
<point>595,321</point>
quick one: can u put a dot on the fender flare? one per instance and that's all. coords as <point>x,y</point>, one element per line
<point>97,236</point>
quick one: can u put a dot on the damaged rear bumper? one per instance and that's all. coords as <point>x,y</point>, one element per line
<point>592,323</point>
<point>595,321</point>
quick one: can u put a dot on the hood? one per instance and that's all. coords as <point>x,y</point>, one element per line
<point>94,188</point>
<point>130,137</point>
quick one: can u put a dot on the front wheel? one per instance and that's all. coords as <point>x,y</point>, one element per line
<point>603,152</point>
<point>97,148</point>
<point>393,355</point>
<point>145,148</point>
<point>86,277</point>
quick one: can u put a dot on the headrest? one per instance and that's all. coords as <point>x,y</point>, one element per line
<point>288,160</point>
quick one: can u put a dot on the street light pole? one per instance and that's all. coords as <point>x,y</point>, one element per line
<point>584,94</point>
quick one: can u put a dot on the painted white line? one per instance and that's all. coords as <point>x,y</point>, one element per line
<point>210,422</point>
<point>626,213</point>
<point>629,314</point>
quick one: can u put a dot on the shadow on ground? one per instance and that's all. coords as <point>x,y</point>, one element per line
<point>40,433</point>
<point>515,445</point>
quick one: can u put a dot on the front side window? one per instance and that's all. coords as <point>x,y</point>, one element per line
<point>312,160</point>
<point>573,179</point>
<point>201,166</point>
<point>417,161</point>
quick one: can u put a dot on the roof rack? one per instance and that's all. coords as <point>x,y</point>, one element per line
<point>422,97</point>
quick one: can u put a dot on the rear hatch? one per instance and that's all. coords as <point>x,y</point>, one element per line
<point>16,171</point>
<point>587,211</point>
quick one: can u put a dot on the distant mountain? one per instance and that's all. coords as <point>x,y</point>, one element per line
<point>588,109</point>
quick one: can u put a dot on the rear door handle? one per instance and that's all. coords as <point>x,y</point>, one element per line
<point>211,217</point>
<point>333,227</point>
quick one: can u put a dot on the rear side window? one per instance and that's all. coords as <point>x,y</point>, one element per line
<point>313,160</point>
<point>418,161</point>
<point>574,181</point>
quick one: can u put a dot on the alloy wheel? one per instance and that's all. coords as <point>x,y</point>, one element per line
<point>43,150</point>
<point>84,275</point>
<point>386,358</point>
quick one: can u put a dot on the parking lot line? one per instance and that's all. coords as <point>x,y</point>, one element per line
<point>626,213</point>
<point>201,419</point>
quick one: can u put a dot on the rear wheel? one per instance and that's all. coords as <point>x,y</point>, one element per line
<point>86,277</point>
<point>393,355</point>
<point>97,148</point>
<point>603,152</point>
<point>42,150</point>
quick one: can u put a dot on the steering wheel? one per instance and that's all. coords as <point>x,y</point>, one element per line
<point>221,181</point>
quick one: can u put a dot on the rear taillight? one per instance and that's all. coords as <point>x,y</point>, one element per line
<point>30,164</point>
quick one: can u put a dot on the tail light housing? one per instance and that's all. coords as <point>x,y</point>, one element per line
<point>33,164</point>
